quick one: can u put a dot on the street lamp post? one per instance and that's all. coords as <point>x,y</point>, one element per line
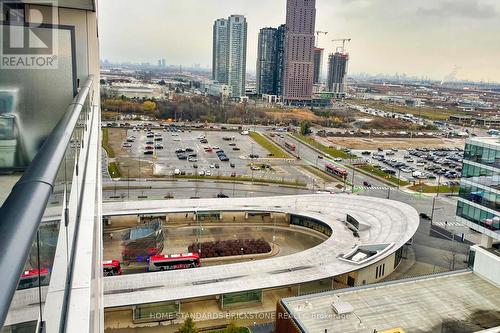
<point>352,179</point>
<point>128,183</point>
<point>399,177</point>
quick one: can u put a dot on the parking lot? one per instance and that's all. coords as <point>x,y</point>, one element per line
<point>429,165</point>
<point>177,152</point>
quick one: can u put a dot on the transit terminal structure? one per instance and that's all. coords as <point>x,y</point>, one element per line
<point>363,242</point>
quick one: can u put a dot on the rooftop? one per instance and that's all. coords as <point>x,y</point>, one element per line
<point>459,302</point>
<point>386,221</point>
<point>493,141</point>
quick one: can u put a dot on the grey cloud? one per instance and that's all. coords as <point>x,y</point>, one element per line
<point>460,8</point>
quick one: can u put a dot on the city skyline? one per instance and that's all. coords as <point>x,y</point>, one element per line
<point>426,39</point>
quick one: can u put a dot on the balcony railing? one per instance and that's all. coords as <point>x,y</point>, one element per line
<point>39,221</point>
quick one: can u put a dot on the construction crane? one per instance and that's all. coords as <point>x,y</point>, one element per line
<point>343,40</point>
<point>317,36</point>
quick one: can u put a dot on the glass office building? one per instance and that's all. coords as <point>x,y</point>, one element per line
<point>479,194</point>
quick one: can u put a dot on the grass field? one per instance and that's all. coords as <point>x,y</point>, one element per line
<point>273,149</point>
<point>424,188</point>
<point>323,175</point>
<point>105,143</point>
<point>382,174</point>
<point>113,170</point>
<point>424,111</point>
<point>327,150</point>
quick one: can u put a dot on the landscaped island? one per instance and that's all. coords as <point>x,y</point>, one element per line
<point>230,248</point>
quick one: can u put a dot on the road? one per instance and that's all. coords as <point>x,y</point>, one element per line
<point>186,189</point>
<point>310,156</point>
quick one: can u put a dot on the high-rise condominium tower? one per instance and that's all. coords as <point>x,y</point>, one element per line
<point>270,60</point>
<point>230,53</point>
<point>266,61</point>
<point>299,54</point>
<point>318,59</point>
<point>220,49</point>
<point>337,70</point>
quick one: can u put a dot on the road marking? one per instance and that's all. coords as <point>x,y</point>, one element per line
<point>384,188</point>
<point>450,224</point>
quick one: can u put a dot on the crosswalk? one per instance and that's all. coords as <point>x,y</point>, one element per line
<point>449,224</point>
<point>381,188</point>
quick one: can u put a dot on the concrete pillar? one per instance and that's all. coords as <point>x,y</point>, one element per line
<point>486,241</point>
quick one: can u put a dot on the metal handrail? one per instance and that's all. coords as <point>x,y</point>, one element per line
<point>22,211</point>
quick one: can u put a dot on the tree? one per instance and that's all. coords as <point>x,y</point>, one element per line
<point>149,106</point>
<point>305,128</point>
<point>188,326</point>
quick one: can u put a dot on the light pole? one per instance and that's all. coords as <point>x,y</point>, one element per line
<point>128,183</point>
<point>352,179</point>
<point>399,175</point>
<point>139,176</point>
<point>439,184</point>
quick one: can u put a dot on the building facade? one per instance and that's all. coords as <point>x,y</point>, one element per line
<point>280,59</point>
<point>266,61</point>
<point>337,71</point>
<point>318,60</point>
<point>479,196</point>
<point>220,51</point>
<point>237,55</point>
<point>299,52</point>
<point>230,53</point>
<point>478,204</point>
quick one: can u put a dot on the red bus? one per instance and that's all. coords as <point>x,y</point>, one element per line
<point>290,146</point>
<point>34,278</point>
<point>166,262</point>
<point>111,268</point>
<point>334,170</point>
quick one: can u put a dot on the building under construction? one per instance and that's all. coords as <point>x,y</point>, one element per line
<point>337,71</point>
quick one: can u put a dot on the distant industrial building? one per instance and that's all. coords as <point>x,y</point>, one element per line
<point>229,53</point>
<point>162,63</point>
<point>337,71</point>
<point>299,55</point>
<point>468,120</point>
<point>318,60</point>
<point>216,89</point>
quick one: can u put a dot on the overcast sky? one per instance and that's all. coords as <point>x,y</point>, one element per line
<point>418,37</point>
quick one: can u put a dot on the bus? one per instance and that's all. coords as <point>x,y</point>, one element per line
<point>34,278</point>
<point>166,262</point>
<point>334,170</point>
<point>111,268</point>
<point>290,146</point>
